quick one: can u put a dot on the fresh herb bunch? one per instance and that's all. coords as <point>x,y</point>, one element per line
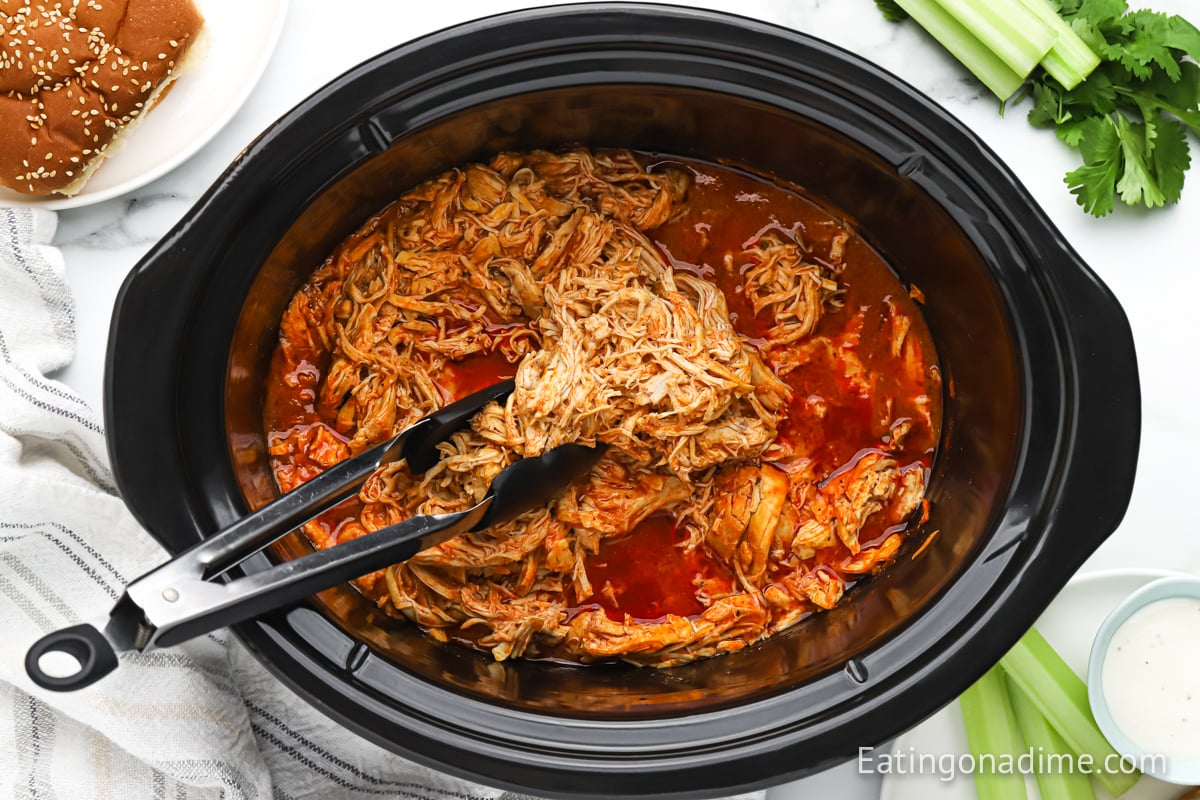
<point>1129,117</point>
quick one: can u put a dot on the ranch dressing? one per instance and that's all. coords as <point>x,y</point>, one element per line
<point>1151,678</point>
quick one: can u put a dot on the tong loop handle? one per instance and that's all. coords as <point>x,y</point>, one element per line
<point>85,644</point>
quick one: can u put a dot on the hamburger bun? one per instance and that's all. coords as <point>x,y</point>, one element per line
<point>76,75</point>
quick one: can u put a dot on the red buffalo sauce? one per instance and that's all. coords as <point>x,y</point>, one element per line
<point>648,574</point>
<point>461,378</point>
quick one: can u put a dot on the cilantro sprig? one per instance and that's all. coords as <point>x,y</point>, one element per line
<point>1129,118</point>
<point>1127,112</point>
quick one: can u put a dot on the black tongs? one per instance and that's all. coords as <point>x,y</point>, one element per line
<point>187,596</point>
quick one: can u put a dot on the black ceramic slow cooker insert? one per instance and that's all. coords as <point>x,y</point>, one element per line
<point>1033,472</point>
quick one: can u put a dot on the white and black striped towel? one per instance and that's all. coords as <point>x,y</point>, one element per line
<point>198,721</point>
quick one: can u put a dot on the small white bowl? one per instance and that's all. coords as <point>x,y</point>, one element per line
<point>1181,771</point>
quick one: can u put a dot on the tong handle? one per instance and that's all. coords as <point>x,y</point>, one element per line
<point>85,644</point>
<point>198,606</point>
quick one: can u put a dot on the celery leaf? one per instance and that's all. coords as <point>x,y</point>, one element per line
<point>1096,95</point>
<point>1129,116</point>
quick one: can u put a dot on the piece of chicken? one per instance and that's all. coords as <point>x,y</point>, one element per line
<point>822,587</point>
<point>792,289</point>
<point>838,510</point>
<point>728,625</point>
<point>867,560</point>
<point>616,497</point>
<point>748,506</point>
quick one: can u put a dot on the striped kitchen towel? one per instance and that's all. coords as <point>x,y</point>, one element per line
<point>203,720</point>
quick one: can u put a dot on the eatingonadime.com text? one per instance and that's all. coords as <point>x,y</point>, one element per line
<point>1034,761</point>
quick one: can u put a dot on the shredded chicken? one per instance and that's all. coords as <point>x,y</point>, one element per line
<point>792,289</point>
<point>645,363</point>
<point>541,262</point>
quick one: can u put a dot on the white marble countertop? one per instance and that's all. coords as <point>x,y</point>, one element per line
<point>1143,257</point>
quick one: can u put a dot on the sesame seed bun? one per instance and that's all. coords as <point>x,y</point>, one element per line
<point>75,75</point>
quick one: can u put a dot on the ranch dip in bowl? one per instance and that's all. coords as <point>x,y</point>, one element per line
<point>1144,681</point>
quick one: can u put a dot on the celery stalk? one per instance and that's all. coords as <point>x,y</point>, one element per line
<point>963,45</point>
<point>1062,697</point>
<point>1064,780</point>
<point>1070,60</point>
<point>1007,28</point>
<point>992,734</point>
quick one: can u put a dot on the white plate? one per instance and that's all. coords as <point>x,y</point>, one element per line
<point>1069,624</point>
<point>241,36</point>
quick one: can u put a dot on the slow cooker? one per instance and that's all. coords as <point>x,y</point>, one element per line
<point>1034,469</point>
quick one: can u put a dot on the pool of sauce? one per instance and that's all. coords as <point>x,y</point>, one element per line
<point>648,575</point>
